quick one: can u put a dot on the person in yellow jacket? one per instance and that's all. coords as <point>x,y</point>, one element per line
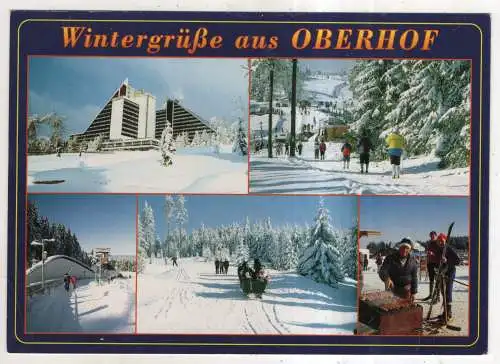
<point>395,144</point>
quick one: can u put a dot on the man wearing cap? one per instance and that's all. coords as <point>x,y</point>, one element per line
<point>449,260</point>
<point>433,260</point>
<point>399,271</point>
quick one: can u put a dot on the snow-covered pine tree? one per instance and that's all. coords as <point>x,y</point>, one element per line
<point>157,247</point>
<point>148,230</point>
<point>167,147</point>
<point>196,141</point>
<point>321,259</point>
<point>187,139</point>
<point>242,253</point>
<point>349,250</point>
<point>168,210</point>
<point>181,217</point>
<point>240,144</point>
<point>289,255</point>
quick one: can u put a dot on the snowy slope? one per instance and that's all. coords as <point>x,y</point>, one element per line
<point>90,308</point>
<point>136,171</point>
<point>306,175</point>
<point>192,299</point>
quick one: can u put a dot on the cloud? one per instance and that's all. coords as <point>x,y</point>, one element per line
<point>76,119</point>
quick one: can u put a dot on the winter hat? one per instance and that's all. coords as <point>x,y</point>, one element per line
<point>442,237</point>
<point>406,242</point>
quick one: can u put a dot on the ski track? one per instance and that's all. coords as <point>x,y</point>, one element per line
<point>190,298</point>
<point>303,174</point>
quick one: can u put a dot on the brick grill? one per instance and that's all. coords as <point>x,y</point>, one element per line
<point>389,314</point>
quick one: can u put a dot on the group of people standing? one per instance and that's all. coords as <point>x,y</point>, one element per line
<point>395,144</point>
<point>399,271</point>
<point>221,266</point>
<point>319,149</point>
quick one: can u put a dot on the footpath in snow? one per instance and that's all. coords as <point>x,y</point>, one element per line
<point>139,171</point>
<point>192,299</point>
<point>92,308</point>
<point>304,174</point>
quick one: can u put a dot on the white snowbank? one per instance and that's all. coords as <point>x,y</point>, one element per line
<point>197,170</point>
<point>90,308</point>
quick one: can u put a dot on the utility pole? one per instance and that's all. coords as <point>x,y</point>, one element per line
<point>44,256</point>
<point>294,105</point>
<point>270,131</point>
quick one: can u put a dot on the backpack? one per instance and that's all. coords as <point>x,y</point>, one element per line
<point>346,150</point>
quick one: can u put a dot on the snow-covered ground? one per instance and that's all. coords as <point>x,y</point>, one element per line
<point>106,308</point>
<point>304,174</point>
<point>139,171</point>
<point>191,298</point>
<point>460,307</point>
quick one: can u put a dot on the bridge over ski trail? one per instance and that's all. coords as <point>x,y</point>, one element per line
<point>304,174</point>
<point>191,298</point>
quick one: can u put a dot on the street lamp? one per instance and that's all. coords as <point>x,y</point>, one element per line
<point>44,256</point>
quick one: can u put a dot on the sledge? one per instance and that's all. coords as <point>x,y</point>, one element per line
<point>252,285</point>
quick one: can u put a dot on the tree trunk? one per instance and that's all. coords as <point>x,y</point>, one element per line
<point>294,105</point>
<point>270,131</point>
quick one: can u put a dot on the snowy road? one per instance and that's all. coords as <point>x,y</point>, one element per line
<point>109,308</point>
<point>304,174</point>
<point>191,298</point>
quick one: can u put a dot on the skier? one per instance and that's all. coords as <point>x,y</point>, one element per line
<point>299,148</point>
<point>449,261</point>
<point>316,148</point>
<point>346,153</point>
<point>287,148</point>
<point>73,281</point>
<point>226,266</point>
<point>399,272</point>
<point>433,260</point>
<point>322,150</point>
<point>395,143</point>
<point>174,261</point>
<point>217,265</point>
<point>364,148</point>
<point>66,282</point>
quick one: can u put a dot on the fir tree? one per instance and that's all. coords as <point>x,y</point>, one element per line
<point>148,230</point>
<point>321,259</point>
<point>167,147</point>
<point>240,143</point>
<point>242,253</point>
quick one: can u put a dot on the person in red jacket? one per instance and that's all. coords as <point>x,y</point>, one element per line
<point>346,153</point>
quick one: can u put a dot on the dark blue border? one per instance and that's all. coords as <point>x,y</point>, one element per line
<point>455,41</point>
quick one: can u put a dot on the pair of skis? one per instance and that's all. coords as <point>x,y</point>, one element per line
<point>440,286</point>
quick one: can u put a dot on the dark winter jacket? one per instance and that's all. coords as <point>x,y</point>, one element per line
<point>434,252</point>
<point>364,145</point>
<point>401,275</point>
<point>452,259</point>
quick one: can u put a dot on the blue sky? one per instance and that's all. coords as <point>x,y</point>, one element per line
<point>223,210</point>
<point>399,216</point>
<point>330,65</point>
<point>105,221</point>
<point>78,87</point>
